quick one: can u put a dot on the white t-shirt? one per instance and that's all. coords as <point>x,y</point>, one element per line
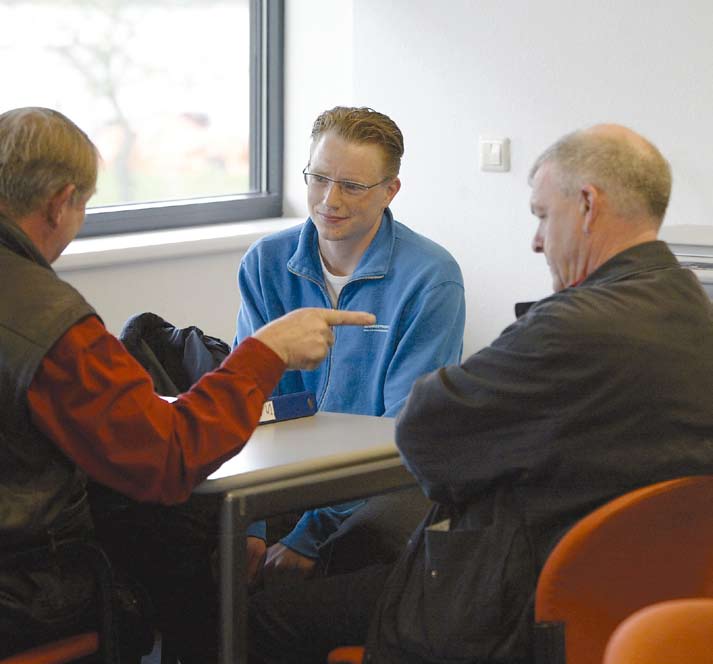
<point>334,283</point>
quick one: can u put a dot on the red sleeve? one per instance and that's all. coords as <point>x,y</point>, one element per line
<point>97,403</point>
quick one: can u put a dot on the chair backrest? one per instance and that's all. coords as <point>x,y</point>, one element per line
<point>344,655</point>
<point>674,632</point>
<point>649,545</point>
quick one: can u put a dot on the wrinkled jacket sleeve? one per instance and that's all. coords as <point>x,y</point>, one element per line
<point>316,526</point>
<point>432,337</point>
<point>256,312</point>
<point>467,426</point>
<point>252,315</point>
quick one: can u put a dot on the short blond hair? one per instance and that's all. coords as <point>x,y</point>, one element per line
<point>364,125</point>
<point>42,151</point>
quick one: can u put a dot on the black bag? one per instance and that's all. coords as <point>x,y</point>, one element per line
<point>462,591</point>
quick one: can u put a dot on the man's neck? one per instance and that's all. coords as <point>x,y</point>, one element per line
<point>339,260</point>
<point>38,230</point>
<point>614,245</point>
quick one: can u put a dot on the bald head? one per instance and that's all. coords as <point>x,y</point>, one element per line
<point>627,168</point>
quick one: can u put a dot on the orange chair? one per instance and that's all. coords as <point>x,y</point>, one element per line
<point>679,631</point>
<point>58,652</point>
<point>649,545</point>
<point>344,655</point>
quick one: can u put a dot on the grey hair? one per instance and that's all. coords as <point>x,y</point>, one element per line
<point>42,151</point>
<point>633,173</point>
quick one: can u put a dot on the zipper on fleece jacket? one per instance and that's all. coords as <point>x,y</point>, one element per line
<point>321,397</point>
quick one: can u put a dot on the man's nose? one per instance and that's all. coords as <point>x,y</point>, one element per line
<point>332,195</point>
<point>537,244</point>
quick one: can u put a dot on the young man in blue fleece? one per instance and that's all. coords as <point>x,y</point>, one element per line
<point>352,254</point>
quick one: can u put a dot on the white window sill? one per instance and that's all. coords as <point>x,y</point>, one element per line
<point>194,241</point>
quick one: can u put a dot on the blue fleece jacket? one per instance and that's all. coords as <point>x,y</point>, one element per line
<point>412,285</point>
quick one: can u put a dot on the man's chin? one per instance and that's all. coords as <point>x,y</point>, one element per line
<point>330,231</point>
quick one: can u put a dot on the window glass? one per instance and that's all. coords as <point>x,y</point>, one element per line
<point>162,87</point>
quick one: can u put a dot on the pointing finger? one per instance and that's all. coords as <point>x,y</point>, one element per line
<point>332,317</point>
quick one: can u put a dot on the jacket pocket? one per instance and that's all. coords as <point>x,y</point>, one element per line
<point>468,591</point>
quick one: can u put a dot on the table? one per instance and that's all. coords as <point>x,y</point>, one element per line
<point>289,466</point>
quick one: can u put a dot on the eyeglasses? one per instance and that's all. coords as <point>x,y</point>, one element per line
<point>345,186</point>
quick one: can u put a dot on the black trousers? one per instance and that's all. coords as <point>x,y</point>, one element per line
<point>62,602</point>
<point>67,585</point>
<point>171,553</point>
<point>301,622</point>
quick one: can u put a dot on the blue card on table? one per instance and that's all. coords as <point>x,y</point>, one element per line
<point>288,407</point>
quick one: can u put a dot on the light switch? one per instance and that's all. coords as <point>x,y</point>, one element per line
<point>494,154</point>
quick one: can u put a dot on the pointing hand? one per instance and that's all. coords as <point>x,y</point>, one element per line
<point>302,338</point>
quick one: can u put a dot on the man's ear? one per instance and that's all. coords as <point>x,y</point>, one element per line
<point>57,204</point>
<point>391,190</point>
<point>589,207</point>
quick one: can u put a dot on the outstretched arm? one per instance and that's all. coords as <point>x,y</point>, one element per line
<point>97,404</point>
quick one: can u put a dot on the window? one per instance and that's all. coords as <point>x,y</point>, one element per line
<point>183,98</point>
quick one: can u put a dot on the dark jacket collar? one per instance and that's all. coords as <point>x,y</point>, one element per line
<point>640,258</point>
<point>637,259</point>
<point>16,240</point>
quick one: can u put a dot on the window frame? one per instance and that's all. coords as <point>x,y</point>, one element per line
<point>266,149</point>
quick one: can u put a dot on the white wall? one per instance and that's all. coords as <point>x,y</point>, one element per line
<point>318,75</point>
<point>448,71</point>
<point>200,290</point>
